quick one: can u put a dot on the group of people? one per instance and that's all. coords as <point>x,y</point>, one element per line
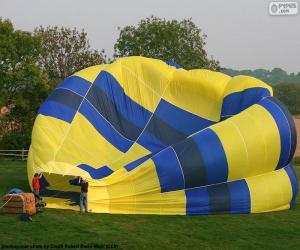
<point>83,192</point>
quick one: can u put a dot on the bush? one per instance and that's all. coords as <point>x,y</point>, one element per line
<point>16,140</point>
<point>289,93</point>
<point>296,161</point>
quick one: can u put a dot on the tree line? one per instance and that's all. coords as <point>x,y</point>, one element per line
<point>33,63</point>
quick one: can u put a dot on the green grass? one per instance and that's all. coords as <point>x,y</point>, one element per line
<point>276,230</point>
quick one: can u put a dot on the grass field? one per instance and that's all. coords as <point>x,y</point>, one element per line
<point>278,230</point>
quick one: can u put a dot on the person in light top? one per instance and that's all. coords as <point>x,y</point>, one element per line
<point>83,194</point>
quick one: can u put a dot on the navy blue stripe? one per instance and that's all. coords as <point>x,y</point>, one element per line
<point>65,97</point>
<point>213,156</point>
<point>150,142</point>
<point>294,182</point>
<point>185,122</point>
<point>168,170</point>
<point>219,198</point>
<point>283,127</point>
<point>191,162</point>
<point>132,165</point>
<point>291,124</point>
<point>76,84</point>
<point>240,197</point>
<point>164,132</point>
<point>197,201</point>
<point>130,110</point>
<point>57,110</point>
<point>97,173</point>
<point>109,111</point>
<point>104,128</point>
<point>236,102</point>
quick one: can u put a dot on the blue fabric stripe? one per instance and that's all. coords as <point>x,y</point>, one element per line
<point>294,182</point>
<point>236,102</point>
<point>57,110</point>
<point>292,126</point>
<point>104,128</point>
<point>180,119</point>
<point>150,142</point>
<point>168,170</point>
<point>97,173</point>
<point>131,110</point>
<point>240,197</point>
<point>76,84</point>
<point>99,100</point>
<point>197,201</point>
<point>232,197</point>
<point>213,156</point>
<point>174,64</point>
<point>283,127</point>
<point>132,165</point>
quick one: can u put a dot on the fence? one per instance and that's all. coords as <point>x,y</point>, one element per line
<point>21,154</point>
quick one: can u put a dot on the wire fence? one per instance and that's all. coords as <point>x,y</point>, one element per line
<point>12,154</point>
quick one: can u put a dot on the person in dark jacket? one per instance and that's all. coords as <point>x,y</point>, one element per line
<point>83,194</point>
<point>36,185</point>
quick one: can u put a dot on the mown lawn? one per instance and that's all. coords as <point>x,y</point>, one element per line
<point>278,230</point>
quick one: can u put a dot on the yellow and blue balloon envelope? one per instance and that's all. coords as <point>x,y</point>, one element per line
<point>153,138</point>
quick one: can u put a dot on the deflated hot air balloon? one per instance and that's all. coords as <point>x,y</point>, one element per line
<point>153,138</point>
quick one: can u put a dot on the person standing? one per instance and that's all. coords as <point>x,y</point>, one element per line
<point>83,194</point>
<point>36,185</point>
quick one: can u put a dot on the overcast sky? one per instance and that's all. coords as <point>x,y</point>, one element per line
<point>241,34</point>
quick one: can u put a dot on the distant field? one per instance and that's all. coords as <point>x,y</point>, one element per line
<point>278,230</point>
<point>297,122</point>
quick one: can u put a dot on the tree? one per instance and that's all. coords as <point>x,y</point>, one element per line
<point>289,93</point>
<point>178,41</point>
<point>272,77</point>
<point>66,51</point>
<point>23,86</point>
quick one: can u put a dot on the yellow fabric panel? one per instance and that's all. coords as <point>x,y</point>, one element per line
<point>140,180</point>
<point>53,131</point>
<point>62,168</point>
<point>60,182</point>
<point>198,91</point>
<point>135,152</point>
<point>270,192</point>
<point>253,138</point>
<point>117,176</point>
<point>265,123</point>
<point>154,203</point>
<point>234,147</point>
<point>30,170</point>
<point>90,74</point>
<point>251,142</point>
<point>240,83</point>
<point>143,82</point>
<point>84,144</point>
<point>158,203</point>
